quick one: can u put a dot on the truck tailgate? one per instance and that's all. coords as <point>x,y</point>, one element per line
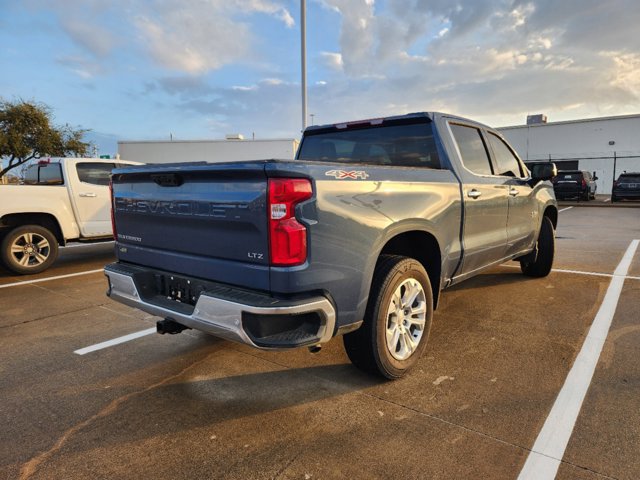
<point>203,220</point>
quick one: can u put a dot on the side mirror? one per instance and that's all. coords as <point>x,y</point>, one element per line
<point>543,171</point>
<point>595,177</point>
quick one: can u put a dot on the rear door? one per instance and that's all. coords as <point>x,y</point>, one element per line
<point>485,201</point>
<point>90,196</point>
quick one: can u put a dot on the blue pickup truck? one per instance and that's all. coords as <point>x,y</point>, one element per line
<point>356,236</point>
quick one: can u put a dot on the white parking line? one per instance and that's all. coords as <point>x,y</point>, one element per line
<point>606,200</point>
<point>565,209</point>
<point>578,272</point>
<point>115,341</point>
<point>46,279</point>
<point>547,452</point>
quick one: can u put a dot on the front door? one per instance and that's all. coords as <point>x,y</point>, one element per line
<point>485,200</point>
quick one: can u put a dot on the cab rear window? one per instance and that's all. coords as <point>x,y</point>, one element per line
<point>629,179</point>
<point>410,145</point>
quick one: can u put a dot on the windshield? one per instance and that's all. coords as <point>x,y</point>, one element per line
<point>410,145</point>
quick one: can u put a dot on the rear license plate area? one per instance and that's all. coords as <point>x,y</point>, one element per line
<point>177,289</point>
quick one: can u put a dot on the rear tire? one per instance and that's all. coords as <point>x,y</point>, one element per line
<point>545,248</point>
<point>397,319</point>
<point>28,249</point>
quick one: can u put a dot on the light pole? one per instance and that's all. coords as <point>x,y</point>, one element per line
<point>303,52</point>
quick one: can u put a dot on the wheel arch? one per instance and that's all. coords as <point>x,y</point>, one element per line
<point>423,247</point>
<point>45,220</point>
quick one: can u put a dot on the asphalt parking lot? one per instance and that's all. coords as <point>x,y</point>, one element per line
<point>192,406</point>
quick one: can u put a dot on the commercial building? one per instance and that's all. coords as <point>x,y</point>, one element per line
<point>234,148</point>
<point>599,145</point>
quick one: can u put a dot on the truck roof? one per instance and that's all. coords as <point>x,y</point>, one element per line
<point>429,116</point>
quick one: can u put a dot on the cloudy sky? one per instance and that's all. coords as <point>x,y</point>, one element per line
<point>132,69</point>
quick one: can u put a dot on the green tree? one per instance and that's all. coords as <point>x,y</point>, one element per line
<point>27,133</point>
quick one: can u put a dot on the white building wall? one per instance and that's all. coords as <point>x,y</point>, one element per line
<point>206,150</point>
<point>584,140</point>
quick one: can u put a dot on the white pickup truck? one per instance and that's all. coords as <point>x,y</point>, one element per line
<point>60,201</point>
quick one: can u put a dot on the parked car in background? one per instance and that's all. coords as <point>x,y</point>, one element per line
<point>59,201</point>
<point>626,187</point>
<point>578,184</point>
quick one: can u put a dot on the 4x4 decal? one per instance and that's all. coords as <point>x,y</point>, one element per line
<point>342,174</point>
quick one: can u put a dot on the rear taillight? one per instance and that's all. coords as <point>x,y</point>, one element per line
<point>615,183</point>
<point>584,183</point>
<point>287,236</point>
<point>113,218</point>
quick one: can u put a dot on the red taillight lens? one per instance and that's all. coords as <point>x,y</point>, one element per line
<point>113,218</point>
<point>584,183</point>
<point>287,236</point>
<point>615,183</point>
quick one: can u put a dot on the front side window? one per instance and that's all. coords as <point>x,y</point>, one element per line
<point>507,162</point>
<point>472,149</point>
<point>409,145</point>
<point>94,172</point>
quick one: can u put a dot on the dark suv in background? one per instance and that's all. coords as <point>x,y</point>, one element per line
<point>626,187</point>
<point>578,184</point>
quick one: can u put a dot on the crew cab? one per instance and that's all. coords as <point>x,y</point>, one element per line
<point>357,236</point>
<point>60,201</point>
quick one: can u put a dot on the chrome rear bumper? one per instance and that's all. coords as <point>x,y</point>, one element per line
<point>223,317</point>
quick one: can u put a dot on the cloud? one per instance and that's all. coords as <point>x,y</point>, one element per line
<point>205,36</point>
<point>487,58</point>
<point>95,39</point>
<point>332,60</point>
<point>83,67</point>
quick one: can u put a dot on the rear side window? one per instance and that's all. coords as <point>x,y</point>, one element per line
<point>410,145</point>
<point>94,172</point>
<point>472,149</point>
<point>508,164</point>
<point>46,174</point>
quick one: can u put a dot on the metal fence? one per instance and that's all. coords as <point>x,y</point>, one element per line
<point>606,165</point>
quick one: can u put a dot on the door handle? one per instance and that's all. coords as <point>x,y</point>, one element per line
<point>90,194</point>
<point>514,192</point>
<point>474,193</point>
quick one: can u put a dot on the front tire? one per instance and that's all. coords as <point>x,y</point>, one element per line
<point>545,249</point>
<point>397,319</point>
<point>28,249</point>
